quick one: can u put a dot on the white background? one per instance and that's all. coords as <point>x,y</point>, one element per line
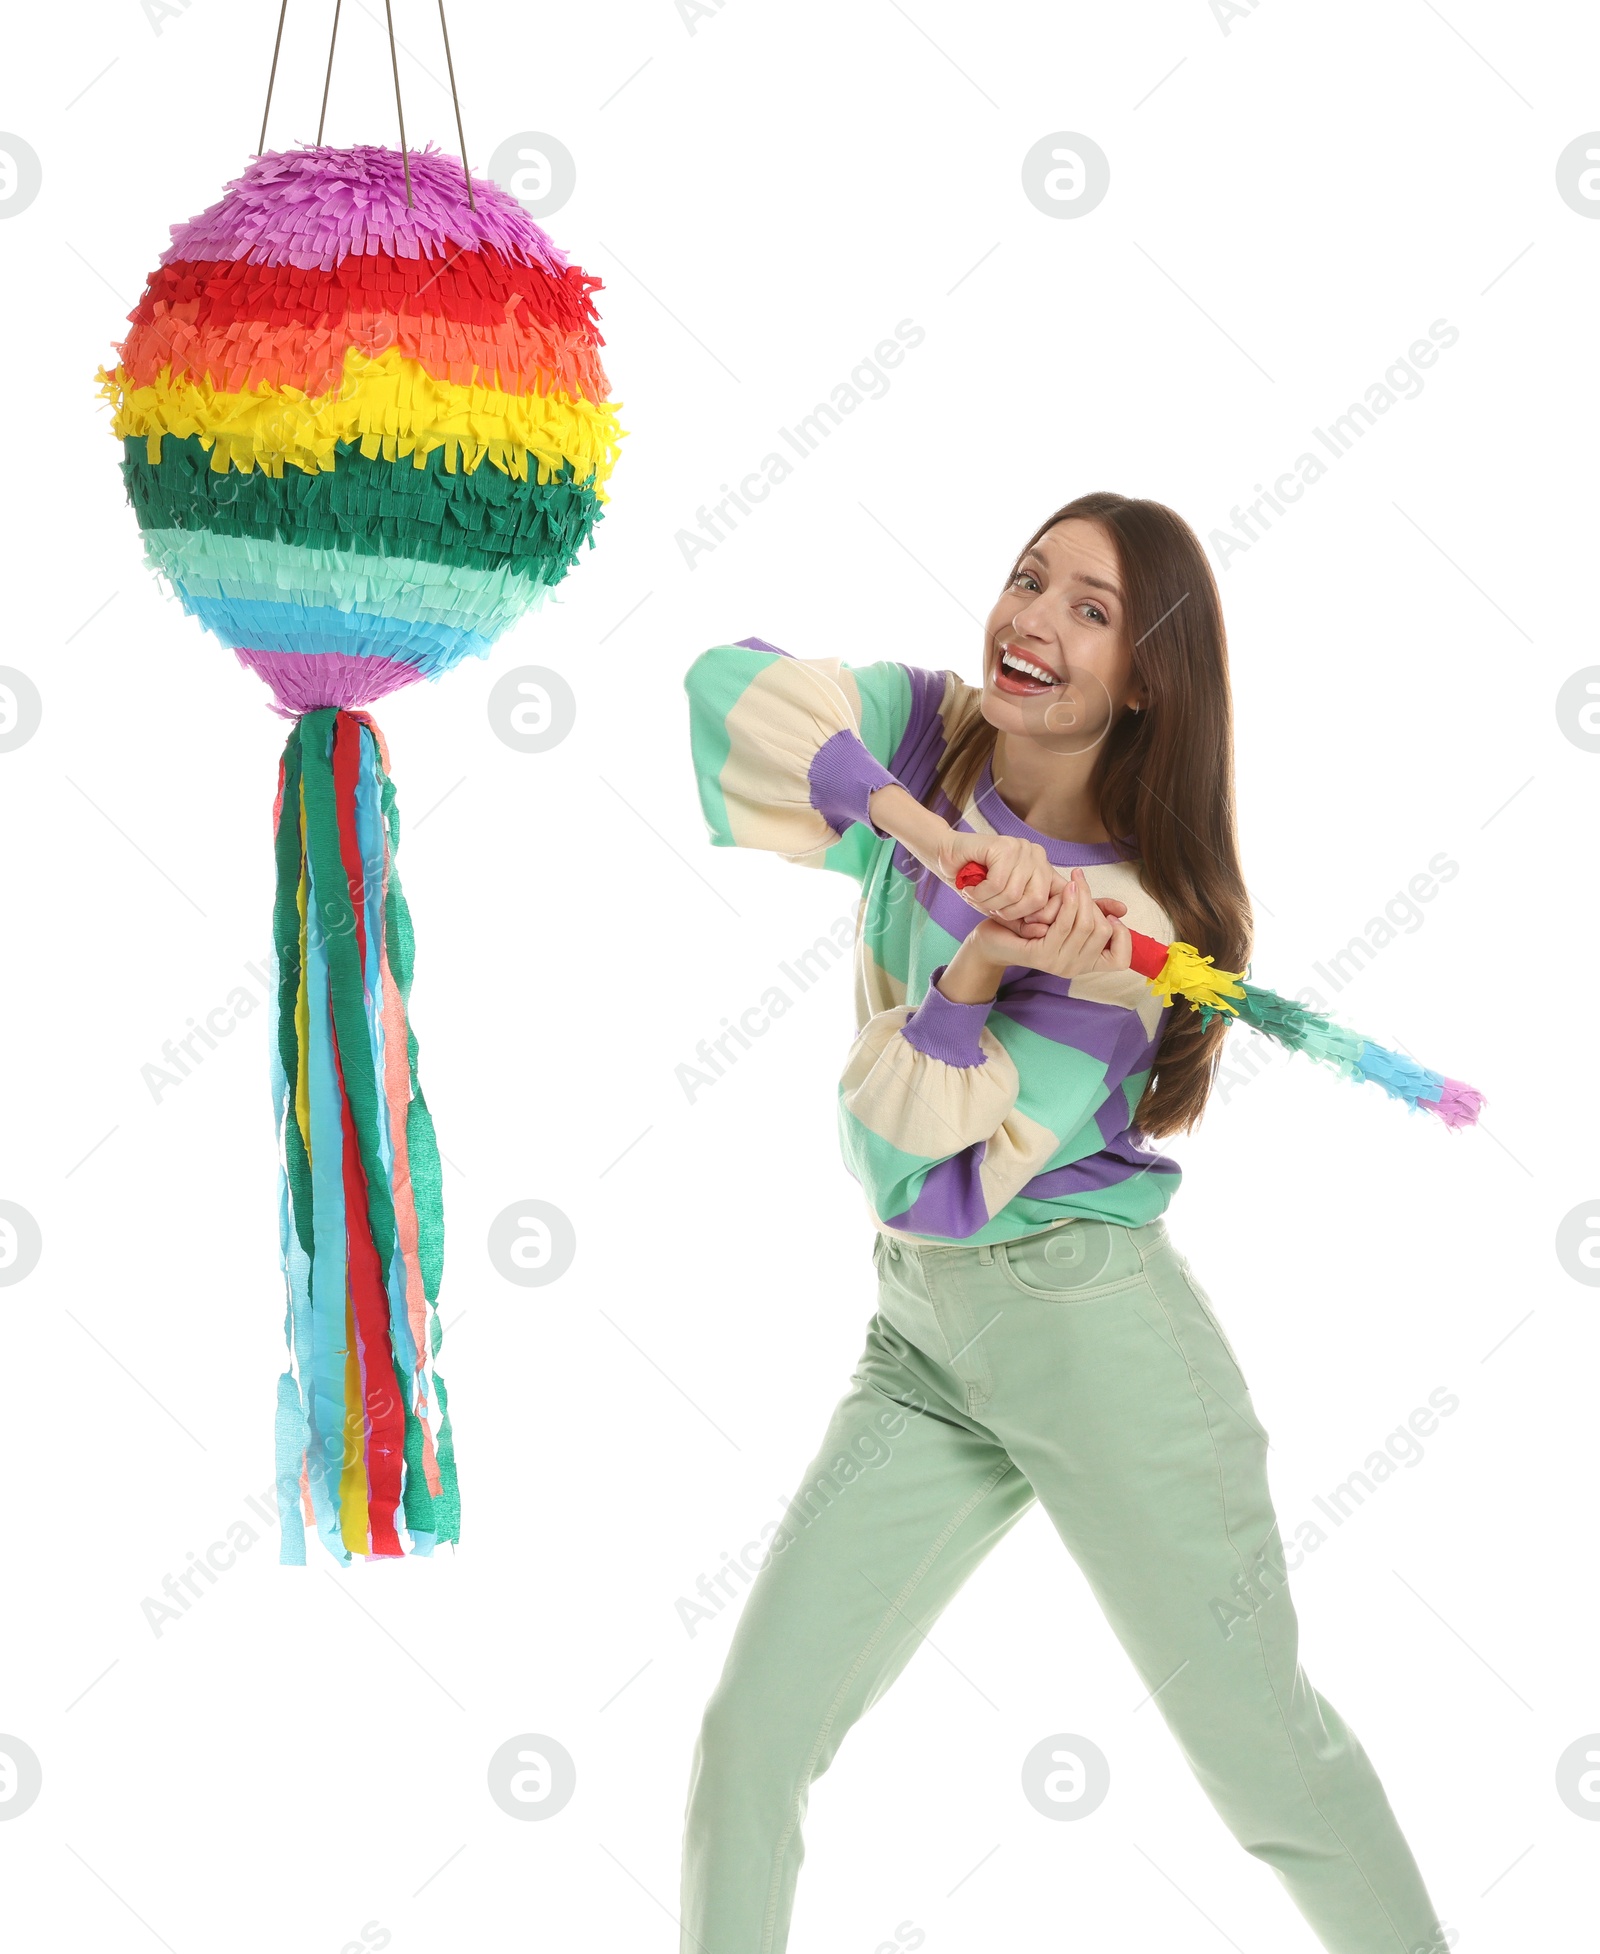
<point>1292,203</point>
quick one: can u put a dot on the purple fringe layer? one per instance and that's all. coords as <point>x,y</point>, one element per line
<point>302,682</point>
<point>315,207</point>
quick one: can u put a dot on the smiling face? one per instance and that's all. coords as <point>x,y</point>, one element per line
<point>1058,659</point>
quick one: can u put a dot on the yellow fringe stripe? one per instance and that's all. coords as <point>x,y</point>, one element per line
<point>1195,978</point>
<point>389,405</point>
<point>354,1518</point>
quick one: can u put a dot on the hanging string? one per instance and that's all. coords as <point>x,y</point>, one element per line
<point>460,132</point>
<point>328,78</point>
<point>272,77</point>
<point>394,62</point>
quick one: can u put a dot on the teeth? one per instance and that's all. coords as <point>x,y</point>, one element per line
<point>1015,662</point>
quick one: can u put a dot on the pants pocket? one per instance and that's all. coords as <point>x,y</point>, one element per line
<point>1083,1261</point>
<point>1241,1401</point>
<point>1202,1302</point>
<point>1203,1342</point>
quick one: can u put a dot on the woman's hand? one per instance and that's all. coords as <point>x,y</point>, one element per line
<point>1018,874</point>
<point>1083,939</point>
<point>1061,891</point>
<point>1075,936</point>
<point>1018,879</point>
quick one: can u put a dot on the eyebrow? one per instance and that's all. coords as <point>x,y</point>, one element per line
<point>1095,583</point>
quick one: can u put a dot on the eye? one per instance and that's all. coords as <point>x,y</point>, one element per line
<point>1100,614</point>
<point>1024,576</point>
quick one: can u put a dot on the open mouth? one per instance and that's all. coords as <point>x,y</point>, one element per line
<point>1026,677</point>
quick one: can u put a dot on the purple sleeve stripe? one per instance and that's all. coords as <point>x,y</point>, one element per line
<point>950,1201</point>
<point>1112,1118</point>
<point>1112,1033</point>
<point>942,1029</point>
<point>1121,1161</point>
<point>844,776</point>
<point>1042,1004</point>
<point>954,915</point>
<point>915,760</point>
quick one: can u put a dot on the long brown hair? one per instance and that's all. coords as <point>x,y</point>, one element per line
<point>1165,777</point>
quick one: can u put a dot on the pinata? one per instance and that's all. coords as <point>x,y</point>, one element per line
<point>1179,970</point>
<point>365,428</point>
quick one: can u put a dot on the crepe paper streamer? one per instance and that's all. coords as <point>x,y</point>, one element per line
<point>1175,970</point>
<point>365,428</point>
<point>364,1225</point>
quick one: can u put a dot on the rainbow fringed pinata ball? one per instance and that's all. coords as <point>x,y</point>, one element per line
<point>365,427</point>
<point>362,437</point>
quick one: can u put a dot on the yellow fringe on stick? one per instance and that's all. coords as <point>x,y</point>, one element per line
<point>1195,978</point>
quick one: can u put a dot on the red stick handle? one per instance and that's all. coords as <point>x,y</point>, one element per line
<point>1148,955</point>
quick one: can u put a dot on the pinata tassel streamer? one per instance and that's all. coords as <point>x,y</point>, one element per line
<point>1357,1057</point>
<point>1175,970</point>
<point>361,1217</point>
<point>1178,970</point>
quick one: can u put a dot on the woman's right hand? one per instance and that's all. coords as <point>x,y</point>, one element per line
<point>1018,876</point>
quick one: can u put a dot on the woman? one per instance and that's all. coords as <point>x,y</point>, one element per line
<point>1038,1335</point>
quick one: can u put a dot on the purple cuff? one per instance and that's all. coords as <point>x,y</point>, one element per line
<point>843,776</point>
<point>941,1029</point>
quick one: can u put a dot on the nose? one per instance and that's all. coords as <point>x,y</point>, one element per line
<point>1030,623</point>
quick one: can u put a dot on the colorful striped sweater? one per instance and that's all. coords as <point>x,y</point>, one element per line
<point>962,1122</point>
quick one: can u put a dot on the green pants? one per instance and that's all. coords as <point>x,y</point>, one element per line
<point>1083,1367</point>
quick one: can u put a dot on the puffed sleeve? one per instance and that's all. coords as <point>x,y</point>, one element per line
<point>940,1126</point>
<point>787,751</point>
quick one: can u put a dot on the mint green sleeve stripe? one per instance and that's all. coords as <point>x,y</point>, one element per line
<point>891,1178</point>
<point>1057,1085</point>
<point>885,706</point>
<point>714,683</point>
<point>1060,1089</point>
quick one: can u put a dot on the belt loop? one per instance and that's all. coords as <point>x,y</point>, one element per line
<point>986,1252</point>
